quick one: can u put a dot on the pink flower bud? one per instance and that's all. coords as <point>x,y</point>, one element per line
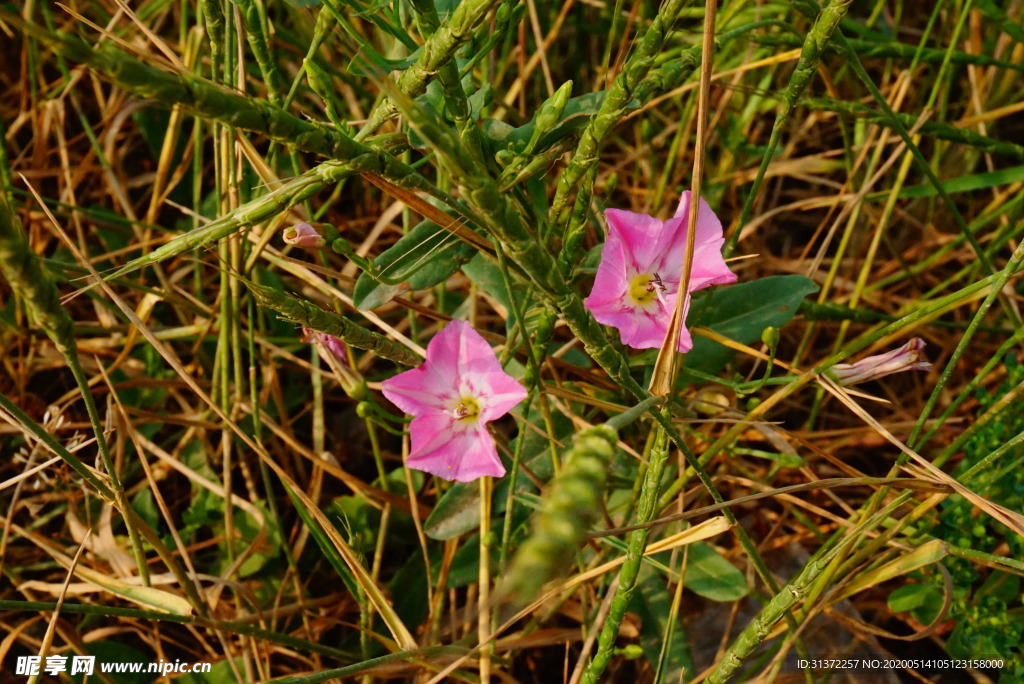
<point>305,236</point>
<point>335,346</point>
<point>908,357</point>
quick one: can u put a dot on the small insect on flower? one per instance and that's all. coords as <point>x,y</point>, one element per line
<point>452,396</point>
<point>304,235</point>
<point>656,282</point>
<point>908,357</point>
<point>638,279</point>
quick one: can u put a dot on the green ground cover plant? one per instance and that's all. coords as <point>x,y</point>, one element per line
<point>502,340</point>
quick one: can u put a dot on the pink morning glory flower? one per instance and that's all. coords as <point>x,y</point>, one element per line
<point>638,279</point>
<point>452,396</point>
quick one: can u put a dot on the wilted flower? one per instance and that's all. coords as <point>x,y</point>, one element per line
<point>908,357</point>
<point>638,279</point>
<point>304,235</point>
<point>452,396</point>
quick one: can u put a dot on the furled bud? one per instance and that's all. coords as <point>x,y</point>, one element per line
<point>908,357</point>
<point>549,114</point>
<point>329,342</point>
<point>335,354</point>
<point>551,111</point>
<point>304,235</point>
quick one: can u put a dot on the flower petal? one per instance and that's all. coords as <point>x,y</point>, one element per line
<point>708,226</point>
<point>416,391</point>
<point>611,282</point>
<point>503,393</point>
<point>442,448</point>
<point>435,385</point>
<point>638,328</point>
<point>639,235</point>
<point>709,267</point>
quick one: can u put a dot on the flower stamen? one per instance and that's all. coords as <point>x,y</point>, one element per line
<point>642,289</point>
<point>467,410</point>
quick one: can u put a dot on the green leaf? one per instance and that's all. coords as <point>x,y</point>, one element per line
<point>408,587</point>
<point>456,513</point>
<point>653,603</point>
<point>144,504</point>
<point>922,600</point>
<point>485,275</point>
<point>576,115</point>
<point>741,313</point>
<point>220,673</point>
<point>428,255</point>
<point>713,577</point>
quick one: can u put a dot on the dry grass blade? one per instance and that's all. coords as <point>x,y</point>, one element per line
<point>1012,519</point>
<point>452,161</point>
<point>663,377</point>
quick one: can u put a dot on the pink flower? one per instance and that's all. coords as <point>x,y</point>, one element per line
<point>304,235</point>
<point>452,396</point>
<point>638,280</point>
<point>908,357</point>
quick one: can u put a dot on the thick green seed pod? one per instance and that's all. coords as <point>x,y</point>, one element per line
<point>569,509</point>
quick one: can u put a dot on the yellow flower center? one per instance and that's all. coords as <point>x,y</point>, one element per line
<point>642,290</point>
<point>467,410</point>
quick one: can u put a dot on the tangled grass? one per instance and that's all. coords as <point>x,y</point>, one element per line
<point>188,477</point>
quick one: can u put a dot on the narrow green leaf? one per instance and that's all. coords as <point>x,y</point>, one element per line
<point>428,255</point>
<point>653,603</point>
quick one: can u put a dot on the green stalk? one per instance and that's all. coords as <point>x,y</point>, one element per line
<point>570,506</point>
<point>646,509</point>
<point>616,101</point>
<point>203,98</point>
<point>278,201</point>
<point>451,86</point>
<point>437,51</point>
<point>934,129</point>
<point>312,316</point>
<point>871,49</point>
<point>1004,276</point>
<point>783,602</point>
<point>253,19</point>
